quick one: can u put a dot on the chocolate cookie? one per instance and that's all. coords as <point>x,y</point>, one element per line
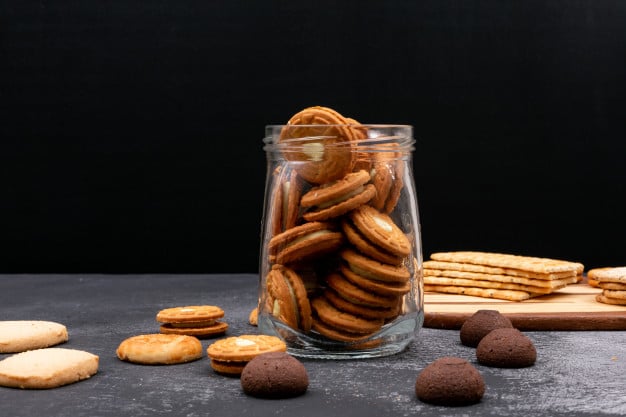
<point>480,324</point>
<point>274,375</point>
<point>450,381</point>
<point>506,348</point>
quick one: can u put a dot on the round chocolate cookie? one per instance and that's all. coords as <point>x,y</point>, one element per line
<point>274,375</point>
<point>479,324</point>
<point>450,381</point>
<point>506,348</point>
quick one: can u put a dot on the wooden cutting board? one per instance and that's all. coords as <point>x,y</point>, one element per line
<point>571,308</point>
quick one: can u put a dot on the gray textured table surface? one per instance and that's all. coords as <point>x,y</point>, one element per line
<point>576,373</point>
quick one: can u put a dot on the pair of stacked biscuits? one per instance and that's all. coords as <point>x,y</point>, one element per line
<point>612,281</point>
<point>498,275</point>
<point>337,262</point>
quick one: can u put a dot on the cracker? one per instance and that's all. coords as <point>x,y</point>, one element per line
<point>47,368</point>
<point>617,294</point>
<point>461,282</point>
<point>160,349</point>
<point>612,285</point>
<point>477,276</point>
<point>612,274</point>
<point>22,335</point>
<point>468,267</point>
<point>504,260</point>
<point>608,300</point>
<point>509,295</point>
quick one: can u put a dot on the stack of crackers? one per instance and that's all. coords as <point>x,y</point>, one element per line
<point>498,275</point>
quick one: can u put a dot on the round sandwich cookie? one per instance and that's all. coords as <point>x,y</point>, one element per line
<point>319,142</point>
<point>374,270</point>
<point>479,324</point>
<point>342,304</point>
<point>611,274</point>
<point>602,298</point>
<point>159,349</point>
<point>357,295</point>
<point>591,276</point>
<point>450,381</point>
<point>380,230</point>
<point>286,200</point>
<point>274,375</point>
<point>341,335</point>
<point>384,288</point>
<point>22,335</point>
<point>230,355</point>
<point>361,244</point>
<point>47,368</point>
<point>334,199</point>
<point>253,317</point>
<point>331,316</point>
<point>386,176</point>
<point>289,298</point>
<point>304,242</point>
<point>194,320</point>
<point>506,347</point>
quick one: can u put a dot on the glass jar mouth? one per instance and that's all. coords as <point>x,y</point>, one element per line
<point>369,136</point>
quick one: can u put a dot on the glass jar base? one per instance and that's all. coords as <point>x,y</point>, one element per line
<point>392,339</point>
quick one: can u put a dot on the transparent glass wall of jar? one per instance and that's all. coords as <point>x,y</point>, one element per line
<point>341,258</point>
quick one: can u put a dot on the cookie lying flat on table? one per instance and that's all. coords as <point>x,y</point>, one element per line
<point>230,355</point>
<point>199,321</point>
<point>160,349</point>
<point>47,368</point>
<point>22,335</point>
<point>274,375</point>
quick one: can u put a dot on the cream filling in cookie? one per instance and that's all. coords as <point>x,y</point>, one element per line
<point>192,324</point>
<point>341,199</point>
<point>314,151</point>
<point>308,236</point>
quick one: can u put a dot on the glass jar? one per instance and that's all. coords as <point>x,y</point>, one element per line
<point>341,257</point>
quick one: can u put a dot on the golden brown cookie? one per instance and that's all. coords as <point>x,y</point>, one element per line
<point>342,304</point>
<point>356,294</point>
<point>344,321</point>
<point>374,270</point>
<point>363,245</point>
<point>195,320</point>
<point>332,200</point>
<point>47,368</point>
<point>387,174</point>
<point>601,298</point>
<point>230,355</point>
<point>304,242</point>
<point>319,142</point>
<point>160,349</point>
<point>384,288</point>
<point>380,230</point>
<point>612,274</point>
<point>22,335</point>
<point>286,200</point>
<point>288,297</point>
<point>253,317</point>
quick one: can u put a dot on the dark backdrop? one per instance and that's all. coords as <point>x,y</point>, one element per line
<point>131,131</point>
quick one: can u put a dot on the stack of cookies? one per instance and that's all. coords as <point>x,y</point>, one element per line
<point>498,275</point>
<point>337,262</point>
<point>612,280</point>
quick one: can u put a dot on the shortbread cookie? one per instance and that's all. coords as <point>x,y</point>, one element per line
<point>288,298</point>
<point>332,200</point>
<point>195,320</point>
<point>320,143</point>
<point>22,335</point>
<point>304,242</point>
<point>230,355</point>
<point>274,375</point>
<point>450,381</point>
<point>47,368</point>
<point>160,349</point>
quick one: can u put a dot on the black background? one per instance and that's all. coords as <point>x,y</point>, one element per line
<point>131,131</point>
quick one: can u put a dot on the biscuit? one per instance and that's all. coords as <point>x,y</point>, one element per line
<point>331,200</point>
<point>450,381</point>
<point>196,320</point>
<point>384,288</point>
<point>386,176</point>
<point>230,355</point>
<point>361,244</point>
<point>359,310</point>
<point>356,294</point>
<point>479,324</point>
<point>374,270</point>
<point>458,277</point>
<point>22,335</point>
<point>319,142</point>
<point>509,295</point>
<point>339,335</point>
<point>611,274</point>
<point>380,230</point>
<point>591,276</point>
<point>159,349</point>
<point>47,368</point>
<point>289,298</point>
<point>506,347</point>
<point>493,270</point>
<point>601,298</point>
<point>328,314</point>
<point>274,375</point>
<point>304,242</point>
<point>286,200</point>
<point>253,317</point>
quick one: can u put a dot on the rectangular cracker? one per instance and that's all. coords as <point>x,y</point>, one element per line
<point>477,276</point>
<point>461,282</point>
<point>505,260</point>
<point>509,295</point>
<point>466,267</point>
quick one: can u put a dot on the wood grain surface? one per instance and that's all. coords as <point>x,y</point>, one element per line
<point>571,308</point>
